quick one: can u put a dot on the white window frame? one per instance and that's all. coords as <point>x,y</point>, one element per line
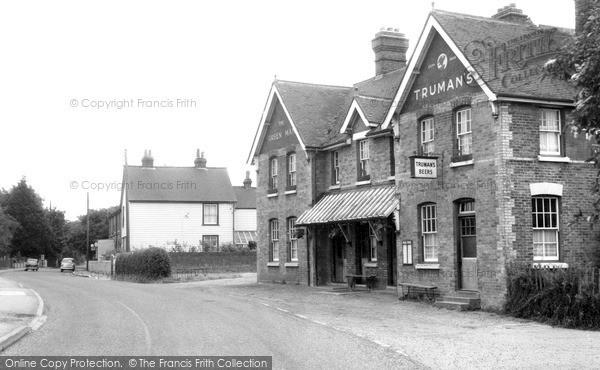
<point>546,130</point>
<point>373,246</point>
<point>363,157</point>
<point>336,167</point>
<point>207,215</point>
<point>293,240</point>
<point>545,229</point>
<point>273,163</point>
<point>463,132</point>
<point>429,232</point>
<point>292,169</point>
<point>274,243</point>
<point>427,136</point>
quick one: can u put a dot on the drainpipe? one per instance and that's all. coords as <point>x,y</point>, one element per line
<point>312,242</point>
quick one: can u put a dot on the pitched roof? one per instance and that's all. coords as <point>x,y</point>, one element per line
<point>472,34</point>
<point>374,97</point>
<point>178,184</point>
<point>313,108</point>
<point>246,197</point>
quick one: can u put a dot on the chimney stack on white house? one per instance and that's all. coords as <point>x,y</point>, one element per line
<point>512,14</point>
<point>390,48</point>
<point>200,161</point>
<point>247,181</point>
<point>147,159</point>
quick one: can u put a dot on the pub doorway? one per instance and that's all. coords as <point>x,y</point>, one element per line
<point>467,244</point>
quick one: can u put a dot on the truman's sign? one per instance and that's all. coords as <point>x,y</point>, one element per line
<point>423,167</point>
<point>441,78</point>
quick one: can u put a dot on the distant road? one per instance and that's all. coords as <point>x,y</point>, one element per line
<point>100,317</point>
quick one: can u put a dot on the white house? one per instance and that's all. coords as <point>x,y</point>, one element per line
<point>192,205</point>
<point>244,219</point>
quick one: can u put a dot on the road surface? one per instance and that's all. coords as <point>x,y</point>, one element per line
<point>101,317</point>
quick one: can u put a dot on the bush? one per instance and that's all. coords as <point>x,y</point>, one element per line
<point>252,245</point>
<point>565,297</point>
<point>231,247</point>
<point>108,254</point>
<point>151,263</point>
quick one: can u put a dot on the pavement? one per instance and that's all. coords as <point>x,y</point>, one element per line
<point>21,310</point>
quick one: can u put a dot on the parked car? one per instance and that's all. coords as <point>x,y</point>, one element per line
<point>31,264</point>
<point>67,264</point>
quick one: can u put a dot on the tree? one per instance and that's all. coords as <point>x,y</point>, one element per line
<point>25,206</point>
<point>579,62</point>
<point>75,243</point>
<point>8,226</point>
<point>57,236</point>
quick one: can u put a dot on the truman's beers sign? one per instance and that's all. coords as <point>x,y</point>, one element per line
<point>423,167</point>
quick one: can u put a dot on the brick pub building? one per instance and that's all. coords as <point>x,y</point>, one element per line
<point>325,167</point>
<point>437,172</point>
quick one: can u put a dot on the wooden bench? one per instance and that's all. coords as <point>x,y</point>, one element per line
<point>370,280</point>
<point>429,289</point>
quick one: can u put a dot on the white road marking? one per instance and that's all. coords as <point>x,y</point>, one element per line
<point>381,344</point>
<point>38,322</point>
<point>40,317</point>
<point>146,331</point>
<point>12,292</point>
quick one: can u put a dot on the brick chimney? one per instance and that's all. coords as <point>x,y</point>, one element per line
<point>147,159</point>
<point>247,181</point>
<point>200,161</point>
<point>582,12</point>
<point>512,14</point>
<point>390,48</point>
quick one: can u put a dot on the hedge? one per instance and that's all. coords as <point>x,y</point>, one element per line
<point>567,297</point>
<point>151,263</point>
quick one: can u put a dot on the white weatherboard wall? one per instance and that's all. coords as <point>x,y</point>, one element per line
<point>245,219</point>
<point>156,224</point>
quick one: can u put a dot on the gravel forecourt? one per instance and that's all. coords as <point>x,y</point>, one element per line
<point>433,337</point>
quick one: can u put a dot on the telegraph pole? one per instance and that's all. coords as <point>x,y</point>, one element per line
<point>87,237</point>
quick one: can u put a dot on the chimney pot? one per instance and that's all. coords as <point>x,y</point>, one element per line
<point>510,13</point>
<point>147,159</point>
<point>247,181</point>
<point>200,161</point>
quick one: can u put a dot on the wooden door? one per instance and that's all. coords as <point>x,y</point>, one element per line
<point>468,252</point>
<point>338,259</point>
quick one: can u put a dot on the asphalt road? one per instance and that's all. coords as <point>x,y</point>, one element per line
<point>101,317</point>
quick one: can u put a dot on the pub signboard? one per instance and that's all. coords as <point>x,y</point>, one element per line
<point>423,167</point>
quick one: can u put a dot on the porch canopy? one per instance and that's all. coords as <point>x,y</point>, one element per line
<point>371,203</point>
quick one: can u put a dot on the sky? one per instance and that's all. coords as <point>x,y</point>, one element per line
<point>83,81</point>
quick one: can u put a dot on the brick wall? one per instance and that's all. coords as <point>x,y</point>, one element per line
<point>478,181</point>
<point>576,239</point>
<point>282,207</point>
<point>505,154</point>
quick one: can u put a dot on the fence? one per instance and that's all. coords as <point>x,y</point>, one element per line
<point>567,297</point>
<point>100,266</point>
<point>583,279</point>
<point>5,262</point>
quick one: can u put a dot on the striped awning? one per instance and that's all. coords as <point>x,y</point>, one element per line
<point>243,237</point>
<point>367,204</point>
